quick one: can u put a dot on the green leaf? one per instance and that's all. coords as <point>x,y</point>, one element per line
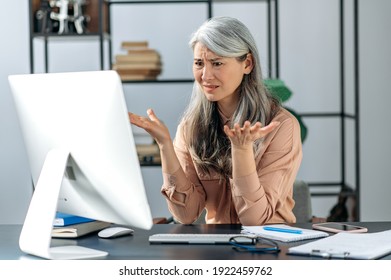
<point>278,88</point>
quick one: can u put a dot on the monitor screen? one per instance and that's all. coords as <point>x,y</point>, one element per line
<point>81,152</point>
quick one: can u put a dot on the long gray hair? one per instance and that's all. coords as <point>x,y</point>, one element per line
<point>208,144</point>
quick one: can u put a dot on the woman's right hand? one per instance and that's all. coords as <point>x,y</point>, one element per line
<point>155,127</point>
<point>159,131</point>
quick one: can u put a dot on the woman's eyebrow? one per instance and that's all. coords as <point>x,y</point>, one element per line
<point>215,58</point>
<point>212,59</point>
<point>209,59</point>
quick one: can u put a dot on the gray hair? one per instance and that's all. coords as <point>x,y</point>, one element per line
<point>226,37</point>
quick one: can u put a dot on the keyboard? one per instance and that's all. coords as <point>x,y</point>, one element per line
<point>196,238</point>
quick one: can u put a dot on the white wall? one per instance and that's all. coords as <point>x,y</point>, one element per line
<point>15,182</point>
<point>309,66</point>
<point>375,46</point>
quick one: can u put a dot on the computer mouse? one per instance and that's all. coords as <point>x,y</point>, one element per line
<point>113,232</point>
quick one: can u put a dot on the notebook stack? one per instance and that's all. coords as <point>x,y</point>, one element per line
<point>139,63</point>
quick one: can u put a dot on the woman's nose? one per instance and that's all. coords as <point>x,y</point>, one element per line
<point>207,73</point>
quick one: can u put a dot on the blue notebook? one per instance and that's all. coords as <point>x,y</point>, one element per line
<point>63,219</point>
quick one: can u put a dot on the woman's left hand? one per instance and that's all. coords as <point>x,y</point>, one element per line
<point>244,137</point>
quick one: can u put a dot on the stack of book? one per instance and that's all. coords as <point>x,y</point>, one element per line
<point>71,226</point>
<point>148,154</point>
<point>139,63</point>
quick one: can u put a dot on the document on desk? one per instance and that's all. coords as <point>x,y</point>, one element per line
<point>284,233</point>
<point>364,246</point>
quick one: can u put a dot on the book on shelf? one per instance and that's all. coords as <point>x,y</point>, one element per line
<point>134,45</point>
<point>147,149</point>
<point>136,77</point>
<point>138,66</point>
<point>138,74</point>
<point>138,57</point>
<point>63,219</point>
<point>78,230</point>
<point>148,153</point>
<point>143,72</point>
<point>143,52</point>
<point>146,72</point>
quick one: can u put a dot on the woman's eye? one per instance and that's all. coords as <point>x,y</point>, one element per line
<point>198,64</point>
<point>217,63</point>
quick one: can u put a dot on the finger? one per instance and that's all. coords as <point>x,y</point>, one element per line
<point>133,118</point>
<point>130,116</point>
<point>152,116</point>
<point>269,128</point>
<point>256,127</point>
<point>228,131</point>
<point>272,125</point>
<point>237,129</point>
<point>247,127</point>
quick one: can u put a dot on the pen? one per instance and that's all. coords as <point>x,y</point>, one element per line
<point>287,230</point>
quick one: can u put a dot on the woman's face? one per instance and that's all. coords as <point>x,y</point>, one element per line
<point>219,77</point>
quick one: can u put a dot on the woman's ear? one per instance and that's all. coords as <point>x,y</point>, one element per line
<point>248,64</point>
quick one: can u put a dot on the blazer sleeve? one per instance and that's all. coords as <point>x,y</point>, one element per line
<point>186,182</point>
<point>266,195</point>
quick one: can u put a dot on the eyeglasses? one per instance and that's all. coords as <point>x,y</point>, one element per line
<point>254,244</point>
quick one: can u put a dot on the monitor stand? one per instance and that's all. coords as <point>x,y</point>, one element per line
<point>36,233</point>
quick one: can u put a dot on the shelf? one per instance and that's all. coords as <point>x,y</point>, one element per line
<point>147,164</point>
<point>74,37</point>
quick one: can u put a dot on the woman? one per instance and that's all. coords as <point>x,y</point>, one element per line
<point>236,152</point>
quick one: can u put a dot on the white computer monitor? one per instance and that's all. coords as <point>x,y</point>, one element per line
<point>82,156</point>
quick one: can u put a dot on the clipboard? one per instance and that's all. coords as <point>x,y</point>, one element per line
<point>344,245</point>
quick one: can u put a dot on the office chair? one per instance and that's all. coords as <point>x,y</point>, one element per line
<point>303,206</point>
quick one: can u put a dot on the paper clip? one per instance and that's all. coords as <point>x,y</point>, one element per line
<point>329,255</point>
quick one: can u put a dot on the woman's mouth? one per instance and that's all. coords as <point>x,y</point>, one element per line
<point>209,88</point>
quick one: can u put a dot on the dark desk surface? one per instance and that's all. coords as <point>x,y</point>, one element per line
<point>138,247</point>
